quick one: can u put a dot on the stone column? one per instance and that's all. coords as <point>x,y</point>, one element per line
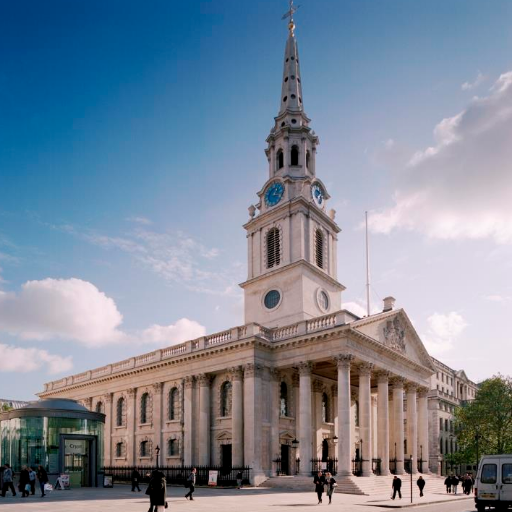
<point>157,418</point>
<point>237,418</point>
<point>296,414</point>
<point>383,422</point>
<point>107,441</point>
<point>365,425</point>
<point>335,412</point>
<point>423,437</point>
<point>131,407</point>
<point>398,421</point>
<point>188,425</point>
<point>275,413</point>
<point>253,420</point>
<point>412,426</point>
<point>391,416</point>
<point>204,419</point>
<point>343,362</point>
<point>305,437</point>
<point>318,388</point>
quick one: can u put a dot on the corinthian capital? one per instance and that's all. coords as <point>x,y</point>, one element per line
<point>236,372</point>
<point>382,376</point>
<point>204,379</point>
<point>189,382</point>
<point>365,368</point>
<point>398,382</point>
<point>305,367</point>
<point>157,387</point>
<point>253,370</point>
<point>343,360</point>
<point>131,392</point>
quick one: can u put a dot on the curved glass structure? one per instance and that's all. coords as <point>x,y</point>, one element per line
<point>59,434</point>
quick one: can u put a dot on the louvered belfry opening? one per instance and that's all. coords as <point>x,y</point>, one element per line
<point>273,248</point>
<point>319,248</point>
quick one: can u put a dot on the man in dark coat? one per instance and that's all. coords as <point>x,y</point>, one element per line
<point>135,480</point>
<point>397,487</point>
<point>42,476</point>
<point>421,484</point>
<point>319,482</point>
<point>24,485</point>
<point>448,484</point>
<point>157,491</point>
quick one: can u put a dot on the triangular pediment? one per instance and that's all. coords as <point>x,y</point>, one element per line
<point>461,374</point>
<point>395,331</point>
<point>224,435</point>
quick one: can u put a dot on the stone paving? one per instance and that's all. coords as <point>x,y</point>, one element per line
<point>120,498</point>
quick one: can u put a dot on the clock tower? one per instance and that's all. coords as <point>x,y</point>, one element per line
<point>292,237</point>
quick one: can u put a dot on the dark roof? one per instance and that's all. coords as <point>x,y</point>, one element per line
<point>62,404</point>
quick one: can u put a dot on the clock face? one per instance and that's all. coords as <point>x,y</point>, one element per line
<point>318,194</point>
<point>274,193</point>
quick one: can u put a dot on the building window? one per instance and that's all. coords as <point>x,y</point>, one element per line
<point>172,448</point>
<point>273,248</point>
<point>294,155</point>
<point>280,159</point>
<point>272,299</point>
<point>323,300</point>
<point>319,248</point>
<point>441,446</point>
<point>225,399</point>
<point>326,413</point>
<point>120,412</point>
<point>284,399</point>
<point>308,155</point>
<point>144,404</point>
<point>446,449</point>
<point>99,407</point>
<point>441,424</point>
<point>144,449</point>
<point>119,449</point>
<point>173,404</point>
<point>446,425</point>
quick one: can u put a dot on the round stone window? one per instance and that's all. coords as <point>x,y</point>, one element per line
<point>272,299</point>
<point>323,300</point>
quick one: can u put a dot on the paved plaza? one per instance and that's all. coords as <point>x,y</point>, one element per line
<point>120,498</point>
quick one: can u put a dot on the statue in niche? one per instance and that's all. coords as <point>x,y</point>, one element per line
<point>394,334</point>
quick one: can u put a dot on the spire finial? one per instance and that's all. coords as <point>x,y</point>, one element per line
<point>289,14</point>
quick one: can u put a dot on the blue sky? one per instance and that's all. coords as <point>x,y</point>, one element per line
<point>131,145</point>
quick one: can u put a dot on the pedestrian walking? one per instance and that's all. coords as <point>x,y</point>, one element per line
<point>157,491</point>
<point>24,484</point>
<point>191,484</point>
<point>319,482</point>
<point>135,480</point>
<point>421,485</point>
<point>448,484</point>
<point>331,484</point>
<point>239,479</point>
<point>455,483</point>
<point>8,477</point>
<point>42,476</point>
<point>32,477</point>
<point>397,487</point>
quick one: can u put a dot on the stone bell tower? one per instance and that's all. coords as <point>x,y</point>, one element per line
<point>292,240</point>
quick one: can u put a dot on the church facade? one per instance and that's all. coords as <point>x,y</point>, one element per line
<point>302,378</point>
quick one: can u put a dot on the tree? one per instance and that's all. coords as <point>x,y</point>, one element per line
<point>485,424</point>
<point>6,407</point>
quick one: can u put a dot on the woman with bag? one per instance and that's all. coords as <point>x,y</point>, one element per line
<point>157,491</point>
<point>331,484</point>
<point>42,476</point>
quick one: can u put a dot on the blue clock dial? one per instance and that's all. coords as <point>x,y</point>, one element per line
<point>318,194</point>
<point>274,193</point>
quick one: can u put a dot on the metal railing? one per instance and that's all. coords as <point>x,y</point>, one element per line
<point>330,465</point>
<point>376,466</point>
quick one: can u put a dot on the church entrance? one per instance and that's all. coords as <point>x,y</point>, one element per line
<point>226,456</point>
<point>325,450</point>
<point>285,459</point>
<point>79,459</point>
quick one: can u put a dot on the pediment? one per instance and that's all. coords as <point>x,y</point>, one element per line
<point>395,331</point>
<point>224,435</point>
<point>286,436</point>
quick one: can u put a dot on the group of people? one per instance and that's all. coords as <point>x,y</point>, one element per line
<point>452,483</point>
<point>396,486</point>
<point>27,480</point>
<point>324,482</point>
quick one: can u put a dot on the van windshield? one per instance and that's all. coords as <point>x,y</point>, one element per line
<point>489,474</point>
<point>506,474</point>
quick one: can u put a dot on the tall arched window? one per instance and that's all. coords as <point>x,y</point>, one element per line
<point>144,402</point>
<point>144,449</point>
<point>273,248</point>
<point>308,156</point>
<point>280,159</point>
<point>441,446</point>
<point>319,248</point>
<point>172,447</point>
<point>173,404</point>
<point>284,399</point>
<point>225,399</point>
<point>120,412</point>
<point>119,449</point>
<point>446,450</point>
<point>294,155</point>
<point>99,407</point>
<point>326,413</point>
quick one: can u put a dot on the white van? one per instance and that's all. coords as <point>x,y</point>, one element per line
<point>493,486</point>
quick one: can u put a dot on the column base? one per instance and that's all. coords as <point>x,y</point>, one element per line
<point>385,472</point>
<point>344,473</point>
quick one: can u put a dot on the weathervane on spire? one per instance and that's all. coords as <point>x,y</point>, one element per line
<point>289,14</point>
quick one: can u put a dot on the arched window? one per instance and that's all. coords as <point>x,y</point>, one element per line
<point>273,248</point>
<point>173,404</point>
<point>441,446</point>
<point>144,449</point>
<point>308,155</point>
<point>119,449</point>
<point>172,448</point>
<point>280,159</point>
<point>120,412</point>
<point>144,403</point>
<point>446,450</point>
<point>326,413</point>
<point>284,399</point>
<point>99,407</point>
<point>319,248</point>
<point>225,399</point>
<point>294,155</point>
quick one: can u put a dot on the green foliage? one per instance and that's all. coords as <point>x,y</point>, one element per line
<point>6,407</point>
<point>487,420</point>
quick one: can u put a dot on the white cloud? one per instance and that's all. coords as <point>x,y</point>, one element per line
<point>497,298</point>
<point>460,187</point>
<point>165,335</point>
<point>69,309</point>
<point>136,219</point>
<point>15,359</point>
<point>442,332</point>
<point>358,307</point>
<point>467,86</point>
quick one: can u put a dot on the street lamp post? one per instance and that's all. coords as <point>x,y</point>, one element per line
<point>421,458</point>
<point>411,475</point>
<point>477,438</point>
<point>295,445</point>
<point>157,451</point>
<point>362,458</point>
